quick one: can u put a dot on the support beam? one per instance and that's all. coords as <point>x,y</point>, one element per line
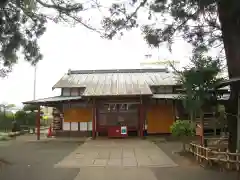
<point>141,118</point>
<point>94,120</point>
<point>38,117</point>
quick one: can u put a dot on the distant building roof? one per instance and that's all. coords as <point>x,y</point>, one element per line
<point>116,82</point>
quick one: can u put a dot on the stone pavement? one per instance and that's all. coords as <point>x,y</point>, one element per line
<point>115,173</point>
<point>120,153</point>
<point>116,159</point>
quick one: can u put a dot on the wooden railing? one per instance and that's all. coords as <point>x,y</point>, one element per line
<point>211,156</point>
<point>220,143</point>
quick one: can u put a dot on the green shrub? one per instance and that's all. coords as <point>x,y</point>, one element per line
<point>182,128</point>
<point>24,118</point>
<point>5,121</point>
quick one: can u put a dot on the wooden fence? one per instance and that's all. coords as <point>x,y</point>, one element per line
<point>214,156</point>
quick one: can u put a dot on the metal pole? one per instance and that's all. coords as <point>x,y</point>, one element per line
<point>34,97</point>
<point>34,82</point>
<point>38,122</point>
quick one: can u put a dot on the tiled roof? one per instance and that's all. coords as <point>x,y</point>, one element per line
<point>116,82</point>
<point>177,96</point>
<point>52,99</point>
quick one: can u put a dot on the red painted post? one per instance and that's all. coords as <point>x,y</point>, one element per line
<point>94,120</point>
<point>38,122</point>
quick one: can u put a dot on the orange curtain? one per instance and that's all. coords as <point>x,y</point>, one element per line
<point>78,115</point>
<point>160,118</point>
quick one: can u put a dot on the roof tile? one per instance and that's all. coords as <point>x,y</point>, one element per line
<point>116,82</point>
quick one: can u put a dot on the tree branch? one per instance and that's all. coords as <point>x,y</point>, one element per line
<point>128,18</point>
<point>76,7</point>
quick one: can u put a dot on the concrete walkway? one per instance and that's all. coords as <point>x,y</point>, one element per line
<point>117,153</point>
<point>116,159</point>
<point>130,173</point>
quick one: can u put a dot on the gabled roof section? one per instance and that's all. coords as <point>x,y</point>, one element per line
<point>53,99</point>
<point>116,82</point>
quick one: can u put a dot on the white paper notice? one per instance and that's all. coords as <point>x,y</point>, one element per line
<point>90,126</point>
<point>83,126</point>
<point>74,126</point>
<point>123,130</point>
<point>66,126</point>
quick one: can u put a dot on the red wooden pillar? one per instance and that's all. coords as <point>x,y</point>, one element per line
<point>141,119</point>
<point>38,117</point>
<point>94,120</point>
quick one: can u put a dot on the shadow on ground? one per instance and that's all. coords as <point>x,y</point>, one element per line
<point>35,161</point>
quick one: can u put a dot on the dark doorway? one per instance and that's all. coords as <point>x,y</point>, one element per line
<point>113,114</point>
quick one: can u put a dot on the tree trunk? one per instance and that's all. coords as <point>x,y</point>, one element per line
<point>229,19</point>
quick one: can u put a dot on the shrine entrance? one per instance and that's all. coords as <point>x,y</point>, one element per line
<point>117,114</point>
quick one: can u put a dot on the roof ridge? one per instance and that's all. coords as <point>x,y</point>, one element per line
<point>103,71</point>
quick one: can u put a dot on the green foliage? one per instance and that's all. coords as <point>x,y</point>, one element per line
<point>199,80</point>
<point>23,22</point>
<point>5,121</point>
<point>31,119</point>
<point>21,117</point>
<point>24,118</point>
<point>182,128</point>
<point>30,107</point>
<point>196,21</point>
<point>4,107</point>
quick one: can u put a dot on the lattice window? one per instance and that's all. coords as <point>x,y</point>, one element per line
<point>164,90</point>
<point>66,91</point>
<point>112,107</point>
<point>154,90</point>
<point>168,89</point>
<point>75,92</point>
<point>123,107</point>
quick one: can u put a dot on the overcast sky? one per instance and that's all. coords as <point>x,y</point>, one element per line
<point>77,48</point>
